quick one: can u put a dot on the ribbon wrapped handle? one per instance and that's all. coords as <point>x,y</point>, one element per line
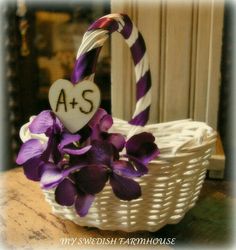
<point>90,48</point>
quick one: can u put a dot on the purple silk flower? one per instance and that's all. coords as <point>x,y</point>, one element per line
<point>79,165</point>
<point>90,172</point>
<point>35,156</point>
<point>100,124</point>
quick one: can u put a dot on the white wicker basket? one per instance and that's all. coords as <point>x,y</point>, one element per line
<point>169,190</point>
<point>175,178</point>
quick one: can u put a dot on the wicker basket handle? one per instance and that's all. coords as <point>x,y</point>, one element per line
<point>91,45</point>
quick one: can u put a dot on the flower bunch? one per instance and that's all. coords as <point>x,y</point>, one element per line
<point>79,165</point>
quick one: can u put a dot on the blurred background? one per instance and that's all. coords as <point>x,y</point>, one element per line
<point>190,46</point>
<point>41,40</point>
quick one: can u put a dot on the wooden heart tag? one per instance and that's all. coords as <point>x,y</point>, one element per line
<point>74,105</point>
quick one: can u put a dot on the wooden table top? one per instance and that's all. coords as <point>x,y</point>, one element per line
<point>28,223</point>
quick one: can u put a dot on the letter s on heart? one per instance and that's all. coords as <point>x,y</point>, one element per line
<point>87,100</point>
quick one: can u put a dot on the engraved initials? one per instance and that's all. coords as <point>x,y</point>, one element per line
<point>74,105</point>
<point>62,96</point>
<point>89,101</point>
<point>62,101</point>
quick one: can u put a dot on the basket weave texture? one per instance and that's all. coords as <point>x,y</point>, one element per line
<point>170,188</point>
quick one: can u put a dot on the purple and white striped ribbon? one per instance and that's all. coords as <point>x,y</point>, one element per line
<point>89,50</point>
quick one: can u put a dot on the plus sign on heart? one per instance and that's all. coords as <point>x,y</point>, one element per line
<point>73,103</point>
<point>76,104</point>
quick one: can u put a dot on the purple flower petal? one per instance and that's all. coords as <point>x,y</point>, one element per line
<point>58,126</point>
<point>52,176</point>
<point>100,123</point>
<point>136,142</point>
<point>65,193</point>
<point>100,153</point>
<point>92,179</point>
<point>56,154</point>
<point>94,156</point>
<point>82,203</point>
<point>125,188</point>
<point>141,168</point>
<point>77,151</point>
<point>125,169</point>
<point>52,150</point>
<point>105,123</point>
<point>46,123</point>
<point>117,140</point>
<point>48,166</point>
<point>33,169</point>
<point>79,160</point>
<point>142,147</point>
<point>48,149</point>
<point>68,139</point>
<point>42,122</point>
<point>97,117</point>
<point>96,133</point>
<point>30,149</point>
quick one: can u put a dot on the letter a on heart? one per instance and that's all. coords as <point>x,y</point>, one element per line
<point>76,104</point>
